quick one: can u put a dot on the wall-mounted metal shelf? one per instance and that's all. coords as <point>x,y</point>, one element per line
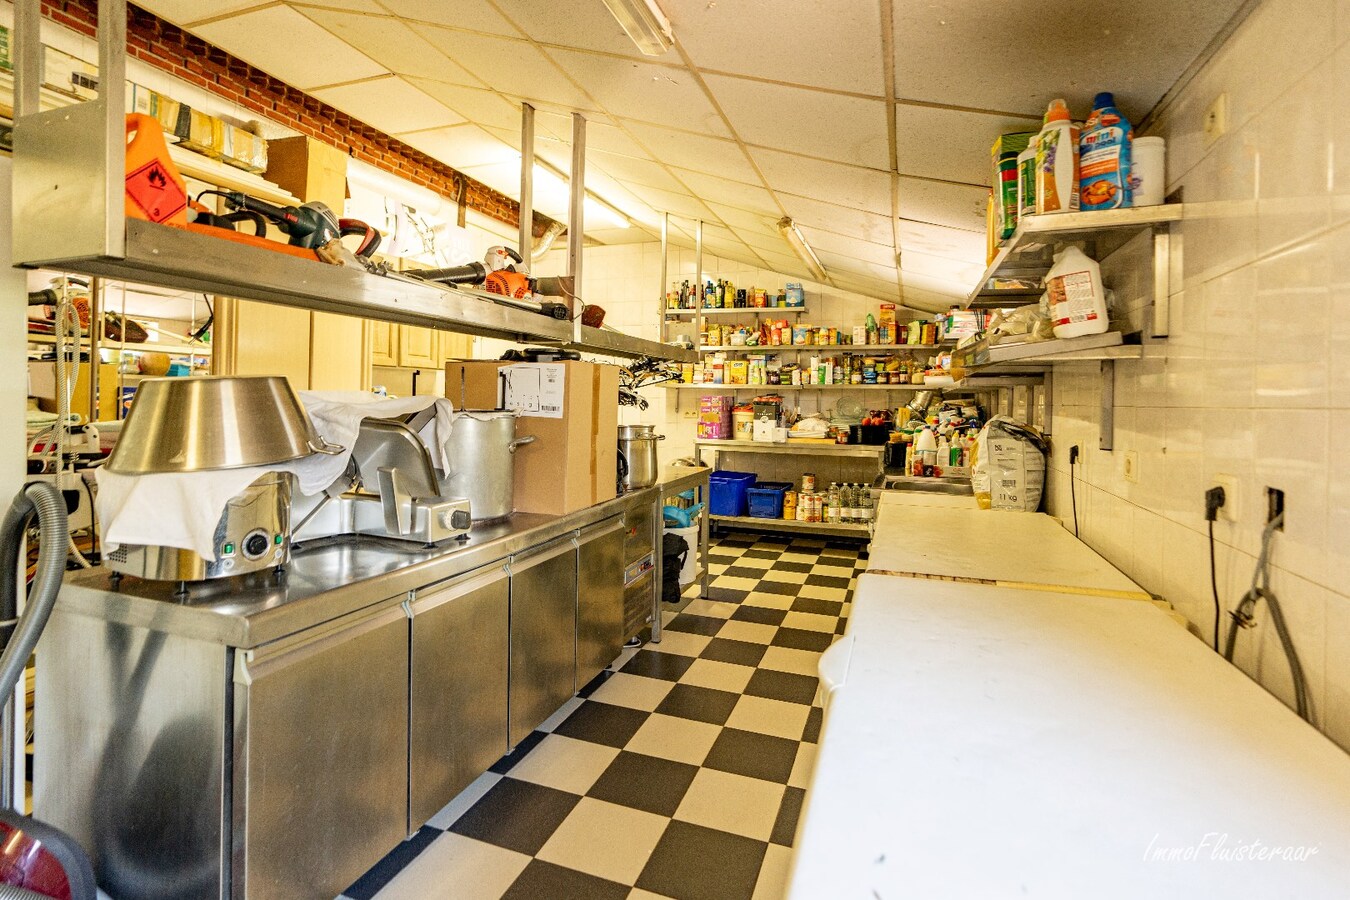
<point>826,349</point>
<point>736,311</point>
<point>972,383</point>
<point>799,448</point>
<point>1015,275</point>
<point>146,347</point>
<point>1111,345</point>
<point>173,257</point>
<point>838,529</point>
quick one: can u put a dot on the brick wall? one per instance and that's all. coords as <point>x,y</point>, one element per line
<point>168,47</point>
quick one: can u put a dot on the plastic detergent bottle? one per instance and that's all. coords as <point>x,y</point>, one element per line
<point>1077,296</point>
<point>1104,157</point>
<point>1026,180</point>
<point>1057,162</point>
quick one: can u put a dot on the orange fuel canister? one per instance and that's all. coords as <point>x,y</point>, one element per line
<point>154,189</point>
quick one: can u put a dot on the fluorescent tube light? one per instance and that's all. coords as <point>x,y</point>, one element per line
<point>788,229</point>
<point>644,23</point>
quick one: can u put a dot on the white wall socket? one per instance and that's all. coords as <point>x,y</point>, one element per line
<point>1216,119</point>
<point>1229,512</point>
<point>1131,459</point>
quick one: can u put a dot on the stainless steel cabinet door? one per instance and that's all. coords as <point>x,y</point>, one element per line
<point>460,646</point>
<point>543,634</point>
<point>599,599</point>
<point>321,756</point>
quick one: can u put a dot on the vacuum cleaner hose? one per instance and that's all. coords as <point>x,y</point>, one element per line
<point>11,892</point>
<point>44,499</point>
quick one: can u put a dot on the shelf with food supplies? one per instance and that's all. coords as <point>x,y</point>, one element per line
<point>853,450</point>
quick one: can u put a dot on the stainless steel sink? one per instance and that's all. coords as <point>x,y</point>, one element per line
<point>957,485</point>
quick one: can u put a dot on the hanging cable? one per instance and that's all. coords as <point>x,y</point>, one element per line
<point>1244,617</point>
<point>1214,586</point>
<point>1073,490</point>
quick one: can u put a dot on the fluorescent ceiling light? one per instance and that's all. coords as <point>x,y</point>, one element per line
<point>550,189</point>
<point>788,229</point>
<point>644,23</point>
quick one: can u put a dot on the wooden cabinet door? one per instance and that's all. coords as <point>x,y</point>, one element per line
<point>384,340</point>
<point>418,348</point>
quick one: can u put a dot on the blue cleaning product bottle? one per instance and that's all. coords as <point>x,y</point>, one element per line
<point>1104,157</point>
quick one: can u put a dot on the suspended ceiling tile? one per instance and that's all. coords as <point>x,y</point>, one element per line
<point>588,26</point>
<point>462,146</point>
<point>389,104</point>
<point>269,39</point>
<point>941,268</point>
<point>635,89</point>
<point>835,45</point>
<point>950,145</point>
<point>844,185</point>
<point>631,169</point>
<point>840,245</point>
<point>785,263</point>
<point>941,241</point>
<point>391,43</point>
<point>513,67</point>
<point>474,15</point>
<point>942,203</point>
<point>601,133</point>
<point>839,219</point>
<point>619,235</point>
<point>766,238</point>
<point>927,301</point>
<point>675,203</point>
<point>943,287</point>
<point>1072,50</point>
<point>832,126</point>
<point>503,177</point>
<point>749,197</point>
<point>747,219</point>
<point>482,107</point>
<point>837,263</point>
<point>185,12</point>
<point>693,151</point>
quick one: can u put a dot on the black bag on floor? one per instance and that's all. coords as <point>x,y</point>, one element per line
<point>674,551</point>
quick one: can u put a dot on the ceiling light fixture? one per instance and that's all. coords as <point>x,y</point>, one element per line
<point>788,229</point>
<point>644,23</point>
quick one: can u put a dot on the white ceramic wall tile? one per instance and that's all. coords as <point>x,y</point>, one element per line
<point>1295,151</point>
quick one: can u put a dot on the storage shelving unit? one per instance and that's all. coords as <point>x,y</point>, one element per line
<point>715,311</point>
<point>1109,346</point>
<point>806,448</point>
<point>965,384</point>
<point>1029,253</point>
<point>146,347</point>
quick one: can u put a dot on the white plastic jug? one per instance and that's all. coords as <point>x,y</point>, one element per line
<point>1077,296</point>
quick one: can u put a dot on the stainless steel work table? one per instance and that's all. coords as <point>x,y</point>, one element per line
<point>676,480</point>
<point>324,580</point>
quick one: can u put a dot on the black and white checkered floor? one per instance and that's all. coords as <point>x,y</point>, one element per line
<point>678,773</point>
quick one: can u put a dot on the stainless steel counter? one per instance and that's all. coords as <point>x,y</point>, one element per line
<point>324,580</point>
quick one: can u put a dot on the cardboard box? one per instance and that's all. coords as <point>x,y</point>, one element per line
<point>573,461</point>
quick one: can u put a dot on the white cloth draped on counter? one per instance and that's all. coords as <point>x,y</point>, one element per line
<point>182,509</point>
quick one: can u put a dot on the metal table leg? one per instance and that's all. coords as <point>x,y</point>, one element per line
<point>658,523</point>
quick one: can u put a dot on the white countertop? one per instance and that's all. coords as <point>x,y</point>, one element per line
<point>990,742</point>
<point>955,540</point>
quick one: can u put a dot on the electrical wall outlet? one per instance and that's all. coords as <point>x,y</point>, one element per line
<point>690,413</point>
<point>1131,459</point>
<point>1275,506</point>
<point>1216,119</point>
<point>1229,512</point>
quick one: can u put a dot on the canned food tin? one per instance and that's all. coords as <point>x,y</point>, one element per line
<point>808,482</point>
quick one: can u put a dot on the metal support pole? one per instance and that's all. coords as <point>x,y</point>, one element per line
<point>112,81</point>
<point>27,57</point>
<point>576,213</point>
<point>698,283</point>
<point>95,339</point>
<point>661,320</point>
<point>526,246</point>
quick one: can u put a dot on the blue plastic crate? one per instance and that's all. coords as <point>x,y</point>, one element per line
<point>727,492</point>
<point>765,502</point>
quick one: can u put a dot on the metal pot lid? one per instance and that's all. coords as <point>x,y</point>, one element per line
<point>635,432</point>
<point>487,415</point>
